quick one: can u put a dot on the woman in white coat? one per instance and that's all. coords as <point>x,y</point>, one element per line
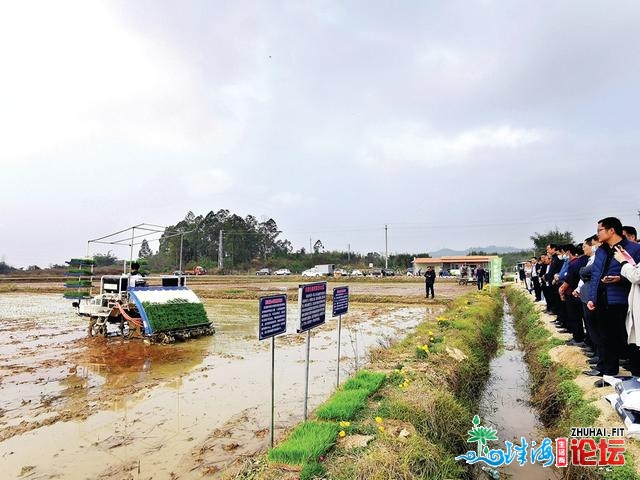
<point>631,272</point>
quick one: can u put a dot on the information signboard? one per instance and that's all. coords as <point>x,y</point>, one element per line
<point>273,316</point>
<point>340,301</point>
<point>312,304</point>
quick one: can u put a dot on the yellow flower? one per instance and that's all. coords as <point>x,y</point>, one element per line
<point>430,333</point>
<point>378,420</point>
<point>342,434</point>
<point>381,428</point>
<point>345,424</point>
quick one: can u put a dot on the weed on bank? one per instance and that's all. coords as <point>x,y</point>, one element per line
<point>559,401</point>
<point>408,415</point>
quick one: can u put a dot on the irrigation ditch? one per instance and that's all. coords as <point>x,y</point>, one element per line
<point>558,394</point>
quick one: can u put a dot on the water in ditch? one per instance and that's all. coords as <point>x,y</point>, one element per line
<point>506,406</point>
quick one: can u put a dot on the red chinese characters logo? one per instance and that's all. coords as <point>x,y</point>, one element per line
<point>587,452</point>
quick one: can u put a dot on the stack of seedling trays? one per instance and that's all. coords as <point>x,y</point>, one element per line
<point>79,278</point>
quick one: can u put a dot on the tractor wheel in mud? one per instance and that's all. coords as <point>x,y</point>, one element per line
<point>165,338</point>
<point>125,329</point>
<point>96,328</point>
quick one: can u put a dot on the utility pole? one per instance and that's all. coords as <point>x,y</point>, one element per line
<point>220,252</point>
<point>310,249</point>
<point>181,239</point>
<point>348,252</point>
<point>386,250</point>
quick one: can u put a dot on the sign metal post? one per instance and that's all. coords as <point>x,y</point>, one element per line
<point>272,321</point>
<point>312,305</point>
<point>340,307</point>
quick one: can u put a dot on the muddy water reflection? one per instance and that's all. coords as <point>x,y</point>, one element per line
<point>506,406</point>
<point>113,409</point>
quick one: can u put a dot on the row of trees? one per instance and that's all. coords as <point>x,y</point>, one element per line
<point>197,239</point>
<point>247,243</point>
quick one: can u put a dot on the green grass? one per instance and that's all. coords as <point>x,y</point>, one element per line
<point>306,443</point>
<point>351,397</point>
<point>343,405</point>
<point>365,380</point>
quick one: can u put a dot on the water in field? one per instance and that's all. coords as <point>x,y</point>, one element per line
<point>74,407</point>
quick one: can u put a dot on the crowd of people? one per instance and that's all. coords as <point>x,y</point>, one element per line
<point>593,292</point>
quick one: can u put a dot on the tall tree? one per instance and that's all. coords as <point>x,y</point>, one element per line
<point>145,250</point>
<point>541,240</point>
<point>317,247</point>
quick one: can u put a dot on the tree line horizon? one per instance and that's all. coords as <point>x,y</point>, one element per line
<point>249,244</point>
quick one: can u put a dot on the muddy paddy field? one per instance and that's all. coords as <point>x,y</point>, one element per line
<point>74,407</point>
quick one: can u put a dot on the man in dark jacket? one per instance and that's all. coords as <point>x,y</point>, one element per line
<point>429,280</point>
<point>608,296</point>
<point>480,277</point>
<point>553,269</point>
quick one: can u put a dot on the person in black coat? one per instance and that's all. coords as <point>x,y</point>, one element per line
<point>480,277</point>
<point>429,280</point>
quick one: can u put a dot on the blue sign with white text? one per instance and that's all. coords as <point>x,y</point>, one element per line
<point>273,316</point>
<point>312,301</point>
<point>340,301</point>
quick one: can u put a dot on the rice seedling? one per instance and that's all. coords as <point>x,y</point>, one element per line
<point>174,314</point>
<point>307,442</point>
<point>344,404</point>
<point>365,380</point>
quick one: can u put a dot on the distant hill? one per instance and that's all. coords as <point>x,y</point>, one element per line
<point>446,252</point>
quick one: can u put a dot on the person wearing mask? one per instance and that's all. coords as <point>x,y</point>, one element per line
<point>572,303</point>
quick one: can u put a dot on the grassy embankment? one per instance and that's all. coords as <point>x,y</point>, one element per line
<point>408,415</point>
<point>560,402</point>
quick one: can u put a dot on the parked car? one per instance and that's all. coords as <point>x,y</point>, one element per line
<point>312,272</point>
<point>339,272</point>
<point>178,273</point>
<point>376,272</point>
<point>197,270</point>
<point>388,272</point>
<point>356,273</point>
<point>282,271</point>
<point>263,271</point>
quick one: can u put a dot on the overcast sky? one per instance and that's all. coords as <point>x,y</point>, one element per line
<point>456,123</point>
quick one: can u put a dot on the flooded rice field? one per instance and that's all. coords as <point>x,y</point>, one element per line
<point>74,407</point>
